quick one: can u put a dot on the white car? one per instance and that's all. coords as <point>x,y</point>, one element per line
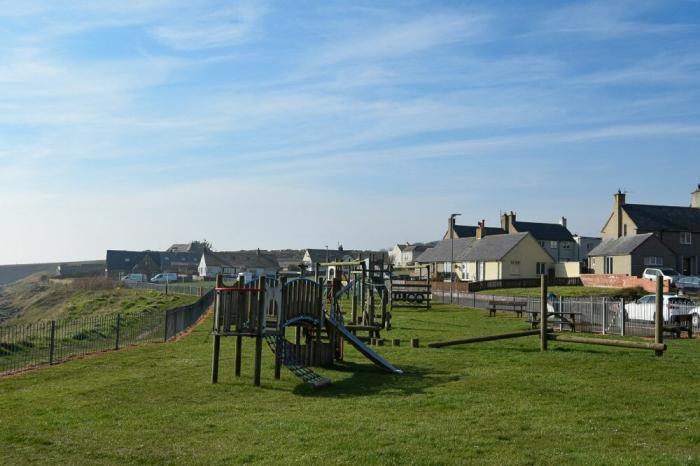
<point>164,278</point>
<point>135,278</point>
<point>668,274</point>
<point>645,308</point>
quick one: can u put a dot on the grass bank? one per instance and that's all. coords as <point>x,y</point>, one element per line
<point>566,291</point>
<point>495,403</point>
<point>39,298</point>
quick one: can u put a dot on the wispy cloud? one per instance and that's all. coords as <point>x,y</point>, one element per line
<point>220,28</point>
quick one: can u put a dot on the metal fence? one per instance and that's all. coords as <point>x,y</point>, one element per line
<point>593,314</point>
<point>51,342</point>
<point>179,288</point>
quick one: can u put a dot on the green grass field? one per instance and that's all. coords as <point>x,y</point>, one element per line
<point>496,403</point>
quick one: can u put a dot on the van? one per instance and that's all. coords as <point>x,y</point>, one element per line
<point>135,278</point>
<point>165,278</point>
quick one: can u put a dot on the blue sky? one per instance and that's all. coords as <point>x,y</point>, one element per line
<point>302,124</point>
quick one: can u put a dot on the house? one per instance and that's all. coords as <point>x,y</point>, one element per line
<point>677,227</point>
<point>584,245</point>
<point>629,255</point>
<point>466,231</point>
<point>555,238</point>
<point>405,254</point>
<point>120,263</point>
<point>315,256</point>
<point>196,247</point>
<point>230,264</point>
<point>490,257</point>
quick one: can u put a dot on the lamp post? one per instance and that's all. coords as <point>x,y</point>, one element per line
<point>452,251</point>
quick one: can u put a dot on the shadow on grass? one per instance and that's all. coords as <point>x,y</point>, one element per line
<point>368,380</point>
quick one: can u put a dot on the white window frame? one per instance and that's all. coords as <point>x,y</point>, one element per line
<point>653,261</point>
<point>553,244</point>
<point>686,237</point>
<point>609,265</point>
<point>541,268</point>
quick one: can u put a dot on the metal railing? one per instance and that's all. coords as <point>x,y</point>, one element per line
<point>51,342</point>
<point>590,314</point>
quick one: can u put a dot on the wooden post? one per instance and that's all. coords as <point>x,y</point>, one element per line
<point>659,321</point>
<point>215,331</point>
<point>543,313</point>
<point>396,342</point>
<point>52,344</point>
<point>415,343</point>
<point>319,305</point>
<point>355,290</point>
<point>260,310</point>
<point>215,359</point>
<point>316,272</point>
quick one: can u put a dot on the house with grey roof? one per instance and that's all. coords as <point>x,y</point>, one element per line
<point>490,257</point>
<point>231,263</point>
<point>629,255</point>
<point>405,254</point>
<point>677,227</point>
<point>119,263</point>
<point>316,256</point>
<point>555,238</point>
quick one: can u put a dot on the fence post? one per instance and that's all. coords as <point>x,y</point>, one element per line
<point>543,313</point>
<point>119,321</point>
<point>605,314</point>
<point>622,317</point>
<point>52,345</point>
<point>659,322</point>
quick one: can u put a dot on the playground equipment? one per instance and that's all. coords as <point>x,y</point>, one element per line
<point>365,285</point>
<point>270,310</point>
<point>547,334</point>
<point>415,292</point>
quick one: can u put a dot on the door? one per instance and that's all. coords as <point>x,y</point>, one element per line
<point>687,268</point>
<point>480,271</point>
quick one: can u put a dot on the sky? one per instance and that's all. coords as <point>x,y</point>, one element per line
<point>273,124</point>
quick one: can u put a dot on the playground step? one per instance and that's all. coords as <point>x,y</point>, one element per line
<point>295,366</point>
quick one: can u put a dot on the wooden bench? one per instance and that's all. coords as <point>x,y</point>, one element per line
<point>681,323</point>
<point>568,318</point>
<point>511,306</point>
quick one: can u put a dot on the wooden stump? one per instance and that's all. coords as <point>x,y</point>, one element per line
<point>415,343</point>
<point>396,342</point>
<point>379,341</point>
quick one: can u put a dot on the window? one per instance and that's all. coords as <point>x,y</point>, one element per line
<point>553,244</point>
<point>608,265</point>
<point>541,268</point>
<point>653,260</point>
<point>515,267</point>
<point>542,243</point>
<point>624,230</point>
<point>593,261</point>
<point>686,238</point>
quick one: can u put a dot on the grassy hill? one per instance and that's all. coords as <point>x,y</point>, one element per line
<point>14,272</point>
<point>502,402</point>
<point>40,298</point>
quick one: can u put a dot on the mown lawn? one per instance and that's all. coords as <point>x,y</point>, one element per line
<point>496,403</point>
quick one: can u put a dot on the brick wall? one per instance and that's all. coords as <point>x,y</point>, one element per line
<point>620,281</point>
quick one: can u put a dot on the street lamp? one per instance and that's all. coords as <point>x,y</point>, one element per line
<point>452,251</point>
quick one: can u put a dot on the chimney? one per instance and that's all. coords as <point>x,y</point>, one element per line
<point>562,222</point>
<point>507,221</point>
<point>481,230</point>
<point>451,222</point>
<point>620,199</point>
<point>258,251</point>
<point>695,199</point>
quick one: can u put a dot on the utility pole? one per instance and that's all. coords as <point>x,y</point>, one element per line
<point>452,251</point>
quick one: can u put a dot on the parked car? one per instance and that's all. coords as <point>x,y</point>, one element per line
<point>668,274</point>
<point>164,278</point>
<point>645,308</point>
<point>689,284</point>
<point>135,278</point>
